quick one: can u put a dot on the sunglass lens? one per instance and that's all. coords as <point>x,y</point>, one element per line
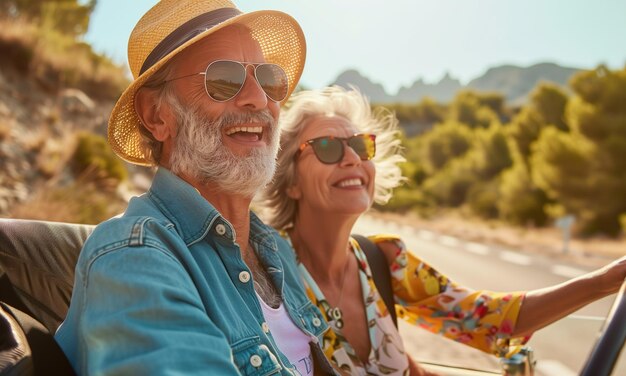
<point>224,79</point>
<point>328,150</point>
<point>364,146</point>
<point>273,80</point>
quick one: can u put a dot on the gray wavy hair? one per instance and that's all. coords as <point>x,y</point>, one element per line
<point>278,209</point>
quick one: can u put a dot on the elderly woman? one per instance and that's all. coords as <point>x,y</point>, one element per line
<point>336,159</point>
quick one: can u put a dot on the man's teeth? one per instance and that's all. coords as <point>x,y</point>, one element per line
<point>350,183</point>
<point>244,129</point>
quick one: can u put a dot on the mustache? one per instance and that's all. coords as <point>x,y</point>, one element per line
<point>238,118</point>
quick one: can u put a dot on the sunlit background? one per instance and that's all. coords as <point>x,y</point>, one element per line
<point>513,119</point>
<point>397,42</point>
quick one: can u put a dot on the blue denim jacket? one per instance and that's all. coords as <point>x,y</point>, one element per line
<point>163,290</point>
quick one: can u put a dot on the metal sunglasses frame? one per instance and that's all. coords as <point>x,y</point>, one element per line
<point>244,65</point>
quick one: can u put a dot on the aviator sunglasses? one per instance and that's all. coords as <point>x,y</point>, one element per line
<point>330,149</point>
<point>223,79</point>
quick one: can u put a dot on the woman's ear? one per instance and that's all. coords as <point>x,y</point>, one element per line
<point>294,192</point>
<point>159,120</point>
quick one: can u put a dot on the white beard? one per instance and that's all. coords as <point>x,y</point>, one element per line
<point>198,150</point>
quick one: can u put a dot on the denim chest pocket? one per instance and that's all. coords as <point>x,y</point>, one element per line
<point>254,358</point>
<point>313,320</point>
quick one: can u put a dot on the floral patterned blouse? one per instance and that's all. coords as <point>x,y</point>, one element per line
<point>424,297</point>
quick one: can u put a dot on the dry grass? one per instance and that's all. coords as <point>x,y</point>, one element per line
<point>5,130</point>
<point>35,140</point>
<point>58,61</point>
<point>17,41</point>
<point>77,203</point>
<point>55,154</point>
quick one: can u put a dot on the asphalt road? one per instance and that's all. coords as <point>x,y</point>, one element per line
<point>560,349</point>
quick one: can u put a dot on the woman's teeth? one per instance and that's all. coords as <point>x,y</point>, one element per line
<point>349,183</point>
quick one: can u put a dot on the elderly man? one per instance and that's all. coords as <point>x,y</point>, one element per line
<point>188,280</point>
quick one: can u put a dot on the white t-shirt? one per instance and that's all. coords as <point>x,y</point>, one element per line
<point>290,340</point>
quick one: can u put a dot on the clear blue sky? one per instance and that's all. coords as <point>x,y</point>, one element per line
<point>396,43</point>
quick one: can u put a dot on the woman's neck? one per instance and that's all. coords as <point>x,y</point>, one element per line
<point>322,244</point>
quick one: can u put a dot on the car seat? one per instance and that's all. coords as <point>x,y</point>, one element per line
<point>37,261</point>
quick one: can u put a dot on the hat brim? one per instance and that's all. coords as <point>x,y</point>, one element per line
<point>288,50</point>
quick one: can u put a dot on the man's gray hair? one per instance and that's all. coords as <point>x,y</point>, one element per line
<point>280,210</point>
<point>157,82</point>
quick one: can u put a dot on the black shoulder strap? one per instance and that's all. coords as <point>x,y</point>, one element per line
<point>380,272</point>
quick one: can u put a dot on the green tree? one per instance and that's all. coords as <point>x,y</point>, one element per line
<point>546,107</point>
<point>490,153</point>
<point>426,111</point>
<point>520,201</point>
<point>442,144</point>
<point>94,160</point>
<point>419,117</point>
<point>560,159</point>
<point>450,186</point>
<point>601,88</point>
<point>524,129</point>
<point>549,101</point>
<point>477,110</point>
<point>430,111</point>
<point>70,17</point>
<point>598,110</point>
<point>580,175</point>
<point>483,198</point>
<point>488,157</point>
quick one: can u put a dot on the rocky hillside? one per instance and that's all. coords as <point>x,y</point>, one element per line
<point>512,81</point>
<point>37,134</point>
<point>517,82</point>
<point>56,163</point>
<point>56,94</point>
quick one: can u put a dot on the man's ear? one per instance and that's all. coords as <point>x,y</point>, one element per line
<point>159,121</point>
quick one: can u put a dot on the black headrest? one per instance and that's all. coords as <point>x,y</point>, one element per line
<point>39,259</point>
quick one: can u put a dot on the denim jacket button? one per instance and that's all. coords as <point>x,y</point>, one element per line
<point>266,328</point>
<point>220,229</point>
<point>244,276</point>
<point>316,322</point>
<point>256,361</point>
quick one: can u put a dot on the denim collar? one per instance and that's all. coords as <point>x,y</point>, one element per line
<point>183,205</point>
<point>191,213</point>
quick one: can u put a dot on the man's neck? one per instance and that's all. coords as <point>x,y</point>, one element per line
<point>234,208</point>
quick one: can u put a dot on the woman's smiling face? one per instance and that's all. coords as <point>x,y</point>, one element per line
<point>345,187</point>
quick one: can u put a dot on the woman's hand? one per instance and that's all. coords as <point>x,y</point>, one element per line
<point>610,277</point>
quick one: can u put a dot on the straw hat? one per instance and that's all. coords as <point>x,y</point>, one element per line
<point>173,25</point>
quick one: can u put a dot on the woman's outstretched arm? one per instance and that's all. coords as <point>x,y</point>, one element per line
<point>544,306</point>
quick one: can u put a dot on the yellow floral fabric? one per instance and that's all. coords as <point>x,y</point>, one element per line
<point>424,297</point>
<point>387,355</point>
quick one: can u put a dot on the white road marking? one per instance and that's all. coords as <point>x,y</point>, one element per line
<point>586,317</point>
<point>548,367</point>
<point>407,229</point>
<point>426,235</point>
<point>392,226</point>
<point>449,241</point>
<point>479,249</point>
<point>379,222</point>
<point>566,271</point>
<point>515,258</point>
